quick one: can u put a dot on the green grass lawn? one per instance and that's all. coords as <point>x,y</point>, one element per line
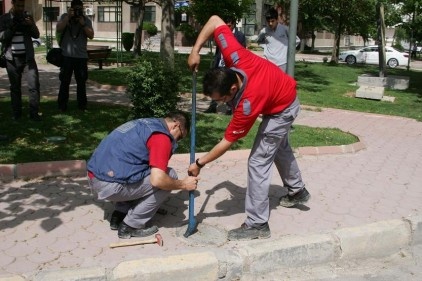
<point>28,141</point>
<point>323,85</point>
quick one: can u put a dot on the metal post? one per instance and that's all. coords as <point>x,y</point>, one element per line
<point>294,8</point>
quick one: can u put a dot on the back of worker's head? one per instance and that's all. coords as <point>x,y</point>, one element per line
<point>219,80</point>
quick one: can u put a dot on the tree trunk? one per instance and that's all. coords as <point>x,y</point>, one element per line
<point>336,45</point>
<point>138,32</point>
<point>167,32</point>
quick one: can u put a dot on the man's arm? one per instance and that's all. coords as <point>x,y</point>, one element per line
<point>61,25</point>
<point>205,34</point>
<point>162,180</point>
<point>87,27</point>
<point>218,150</point>
<point>261,37</point>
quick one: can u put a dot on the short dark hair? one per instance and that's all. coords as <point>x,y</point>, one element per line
<point>76,3</point>
<point>231,19</point>
<point>181,117</point>
<point>271,14</point>
<point>219,80</point>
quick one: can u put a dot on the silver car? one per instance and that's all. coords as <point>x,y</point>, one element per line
<point>36,42</point>
<point>369,55</point>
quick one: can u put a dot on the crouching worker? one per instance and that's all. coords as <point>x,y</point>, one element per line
<point>130,169</point>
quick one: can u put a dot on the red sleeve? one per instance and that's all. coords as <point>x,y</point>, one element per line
<point>159,146</point>
<point>228,45</point>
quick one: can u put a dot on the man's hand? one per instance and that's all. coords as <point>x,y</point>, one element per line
<point>82,21</point>
<point>190,183</point>
<point>194,60</point>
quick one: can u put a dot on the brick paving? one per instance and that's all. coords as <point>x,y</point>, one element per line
<point>54,223</point>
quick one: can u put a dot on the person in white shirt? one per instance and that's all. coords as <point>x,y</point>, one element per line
<point>275,40</point>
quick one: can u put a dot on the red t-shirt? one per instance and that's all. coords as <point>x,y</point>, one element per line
<point>159,146</point>
<point>266,89</point>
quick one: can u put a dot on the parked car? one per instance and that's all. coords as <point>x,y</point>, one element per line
<point>36,42</point>
<point>370,55</point>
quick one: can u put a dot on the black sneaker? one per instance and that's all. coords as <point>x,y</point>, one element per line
<point>125,231</point>
<point>300,197</point>
<point>245,232</point>
<point>115,220</point>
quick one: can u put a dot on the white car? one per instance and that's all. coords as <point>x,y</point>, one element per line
<point>36,42</point>
<point>370,55</point>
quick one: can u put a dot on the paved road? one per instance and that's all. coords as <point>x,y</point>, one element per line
<point>55,224</point>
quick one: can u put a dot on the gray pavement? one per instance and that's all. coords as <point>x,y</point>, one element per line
<point>366,203</point>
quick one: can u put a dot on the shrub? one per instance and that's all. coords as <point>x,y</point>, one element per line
<point>127,40</point>
<point>398,47</point>
<point>150,28</point>
<point>153,88</point>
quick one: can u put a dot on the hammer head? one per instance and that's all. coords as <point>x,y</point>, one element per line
<point>159,239</point>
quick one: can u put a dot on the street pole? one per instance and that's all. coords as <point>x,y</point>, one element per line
<point>294,10</point>
<point>381,39</point>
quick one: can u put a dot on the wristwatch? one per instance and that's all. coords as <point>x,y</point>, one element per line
<point>199,165</point>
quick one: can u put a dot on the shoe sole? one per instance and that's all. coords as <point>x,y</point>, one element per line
<point>292,204</point>
<point>129,235</point>
<point>248,239</point>
<point>260,236</point>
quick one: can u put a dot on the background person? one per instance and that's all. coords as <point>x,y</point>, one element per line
<point>275,40</point>
<point>75,29</point>
<point>253,86</point>
<point>16,30</point>
<point>130,168</point>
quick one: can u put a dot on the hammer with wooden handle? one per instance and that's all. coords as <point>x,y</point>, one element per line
<point>158,239</point>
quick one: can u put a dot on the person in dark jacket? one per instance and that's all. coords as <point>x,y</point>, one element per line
<point>130,168</point>
<point>218,58</point>
<point>16,29</point>
<point>75,29</point>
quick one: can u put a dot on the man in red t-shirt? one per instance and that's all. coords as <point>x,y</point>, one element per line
<point>253,86</point>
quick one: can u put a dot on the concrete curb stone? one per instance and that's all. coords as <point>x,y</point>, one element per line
<point>416,227</point>
<point>289,252</point>
<point>196,266</point>
<point>86,274</point>
<point>375,240</point>
<point>256,257</point>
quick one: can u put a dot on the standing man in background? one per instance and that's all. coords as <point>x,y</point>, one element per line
<point>275,40</point>
<point>75,29</point>
<point>16,30</point>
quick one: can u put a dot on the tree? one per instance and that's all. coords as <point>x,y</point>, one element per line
<point>140,6</point>
<point>202,10</point>
<point>167,32</point>
<point>347,17</point>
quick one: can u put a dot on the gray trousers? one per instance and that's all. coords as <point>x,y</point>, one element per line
<point>140,201</point>
<point>271,146</point>
<point>15,69</point>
